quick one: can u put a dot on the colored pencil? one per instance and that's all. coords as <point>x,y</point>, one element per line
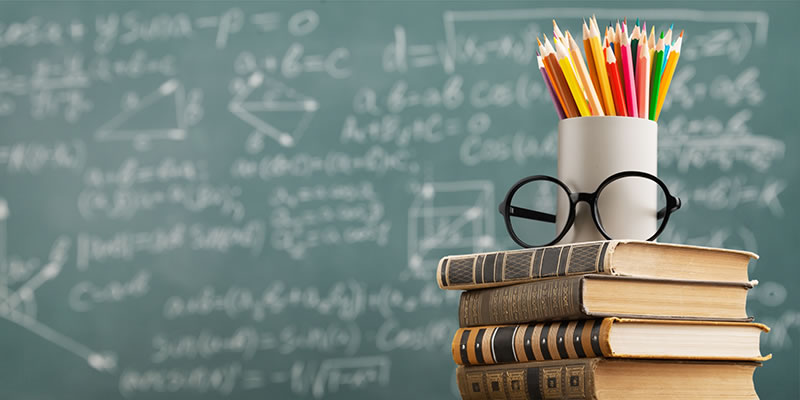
<point>617,35</point>
<point>587,46</point>
<point>549,57</point>
<point>643,78</point>
<point>600,63</point>
<point>550,89</point>
<point>551,76</point>
<point>616,86</point>
<point>672,62</point>
<point>572,61</point>
<point>627,73</point>
<point>667,45</point>
<point>635,42</point>
<point>572,82</point>
<point>651,44</point>
<point>557,32</point>
<point>588,86</point>
<point>656,79</point>
<point>623,72</point>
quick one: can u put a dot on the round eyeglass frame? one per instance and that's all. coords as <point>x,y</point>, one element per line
<point>673,204</point>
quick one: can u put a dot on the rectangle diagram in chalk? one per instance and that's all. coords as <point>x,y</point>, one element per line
<point>449,218</point>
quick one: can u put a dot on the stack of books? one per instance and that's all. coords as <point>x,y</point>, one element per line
<point>604,320</point>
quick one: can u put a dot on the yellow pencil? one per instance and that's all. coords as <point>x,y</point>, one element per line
<point>600,65</point>
<point>651,43</point>
<point>669,70</point>
<point>572,59</point>
<point>577,94</point>
<point>588,87</point>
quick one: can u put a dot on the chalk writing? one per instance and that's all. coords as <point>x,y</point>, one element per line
<point>33,158</point>
<point>93,249</point>
<point>127,202</point>
<point>375,160</point>
<point>85,295</point>
<point>346,300</point>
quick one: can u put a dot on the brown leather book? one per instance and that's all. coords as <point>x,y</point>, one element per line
<point>610,338</point>
<point>592,296</point>
<point>611,257</point>
<point>609,379</point>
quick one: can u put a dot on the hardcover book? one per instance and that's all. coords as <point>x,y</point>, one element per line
<point>610,338</point>
<point>612,257</point>
<point>609,379</point>
<point>592,296</point>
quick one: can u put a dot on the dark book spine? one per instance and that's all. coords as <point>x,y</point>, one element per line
<point>545,300</point>
<point>566,379</point>
<point>544,341</point>
<point>505,267</point>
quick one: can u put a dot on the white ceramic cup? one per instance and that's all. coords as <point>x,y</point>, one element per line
<point>590,149</point>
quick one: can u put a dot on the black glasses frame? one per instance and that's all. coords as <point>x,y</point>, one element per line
<point>507,210</point>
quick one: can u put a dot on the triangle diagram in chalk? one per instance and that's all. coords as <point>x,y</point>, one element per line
<point>274,109</point>
<point>158,115</point>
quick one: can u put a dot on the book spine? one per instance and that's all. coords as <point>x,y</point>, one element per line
<point>475,271</point>
<point>566,379</point>
<point>544,341</point>
<point>545,300</point>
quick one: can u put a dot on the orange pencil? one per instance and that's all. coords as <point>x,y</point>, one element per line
<point>549,70</point>
<point>570,108</point>
<point>616,85</point>
<point>600,64</point>
<point>587,46</point>
<point>583,74</point>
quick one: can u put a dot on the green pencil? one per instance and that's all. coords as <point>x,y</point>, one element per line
<point>657,63</point>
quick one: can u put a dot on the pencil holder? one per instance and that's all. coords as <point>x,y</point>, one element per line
<point>590,150</point>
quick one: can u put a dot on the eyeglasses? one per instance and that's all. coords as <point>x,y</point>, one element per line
<point>529,208</point>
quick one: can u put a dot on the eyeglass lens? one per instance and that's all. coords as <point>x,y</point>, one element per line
<point>538,196</point>
<point>627,199</point>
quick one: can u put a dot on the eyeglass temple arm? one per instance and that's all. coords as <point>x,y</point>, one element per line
<point>662,212</point>
<point>520,212</point>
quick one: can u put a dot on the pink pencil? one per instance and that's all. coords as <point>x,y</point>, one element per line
<point>627,71</point>
<point>643,77</point>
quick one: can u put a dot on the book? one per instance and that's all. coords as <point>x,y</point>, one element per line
<point>587,296</point>
<point>609,379</point>
<point>612,257</point>
<point>610,338</point>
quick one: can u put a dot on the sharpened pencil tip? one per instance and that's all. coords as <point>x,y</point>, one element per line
<point>670,26</point>
<point>637,21</point>
<point>681,35</point>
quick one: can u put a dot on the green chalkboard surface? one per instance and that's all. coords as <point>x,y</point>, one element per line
<point>247,200</point>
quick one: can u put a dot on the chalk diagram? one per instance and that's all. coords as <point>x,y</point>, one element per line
<point>18,304</point>
<point>447,218</point>
<point>273,109</point>
<point>164,114</point>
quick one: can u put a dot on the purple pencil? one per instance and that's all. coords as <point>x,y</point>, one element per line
<point>550,89</point>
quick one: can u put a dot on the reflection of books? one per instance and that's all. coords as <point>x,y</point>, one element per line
<point>608,379</point>
<point>592,296</point>
<point>610,338</point>
<point>625,258</point>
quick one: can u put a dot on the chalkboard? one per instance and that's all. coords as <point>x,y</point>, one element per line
<point>247,200</point>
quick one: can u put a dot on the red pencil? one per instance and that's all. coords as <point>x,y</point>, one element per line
<point>616,85</point>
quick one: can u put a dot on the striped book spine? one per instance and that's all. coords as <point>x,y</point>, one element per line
<point>521,343</point>
<point>474,271</point>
